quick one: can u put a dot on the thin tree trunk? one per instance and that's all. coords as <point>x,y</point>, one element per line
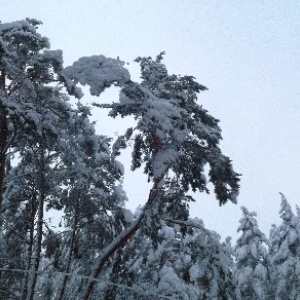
<point>3,142</point>
<point>69,259</point>
<point>30,246</point>
<point>3,139</point>
<point>40,220</point>
<point>120,241</point>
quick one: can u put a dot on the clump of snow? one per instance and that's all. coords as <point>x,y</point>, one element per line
<point>99,72</point>
<point>128,216</point>
<point>169,279</point>
<point>168,232</point>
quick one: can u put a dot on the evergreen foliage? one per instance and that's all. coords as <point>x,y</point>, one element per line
<point>285,255</point>
<point>252,261</point>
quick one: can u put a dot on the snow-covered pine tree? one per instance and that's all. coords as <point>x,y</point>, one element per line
<point>210,266</point>
<point>92,199</point>
<point>174,138</point>
<point>285,255</point>
<point>59,156</point>
<point>252,262</point>
<point>30,111</point>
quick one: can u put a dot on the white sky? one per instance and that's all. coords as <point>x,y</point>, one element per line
<point>245,52</point>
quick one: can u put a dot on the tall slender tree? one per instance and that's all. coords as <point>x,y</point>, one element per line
<point>51,141</point>
<point>285,254</point>
<point>252,261</point>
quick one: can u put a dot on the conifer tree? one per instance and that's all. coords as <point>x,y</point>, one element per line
<point>285,254</point>
<point>58,156</point>
<point>174,138</point>
<point>252,261</point>
<point>31,110</point>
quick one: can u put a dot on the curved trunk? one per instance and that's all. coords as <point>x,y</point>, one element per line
<point>120,241</point>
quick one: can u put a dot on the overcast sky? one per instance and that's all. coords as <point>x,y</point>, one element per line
<point>245,52</point>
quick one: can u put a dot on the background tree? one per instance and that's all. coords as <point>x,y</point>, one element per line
<point>285,253</point>
<point>252,261</point>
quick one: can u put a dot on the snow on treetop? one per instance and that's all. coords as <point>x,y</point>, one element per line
<point>99,72</point>
<point>55,57</point>
<point>23,29</point>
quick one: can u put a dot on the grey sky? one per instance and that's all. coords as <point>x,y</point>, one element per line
<point>245,52</point>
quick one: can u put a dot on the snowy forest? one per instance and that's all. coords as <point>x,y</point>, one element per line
<point>53,160</point>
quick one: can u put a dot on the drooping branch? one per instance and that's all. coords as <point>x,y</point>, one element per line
<point>189,223</point>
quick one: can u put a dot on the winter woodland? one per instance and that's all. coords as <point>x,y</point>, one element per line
<point>52,159</point>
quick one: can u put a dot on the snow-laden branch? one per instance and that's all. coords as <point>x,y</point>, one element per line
<point>190,223</point>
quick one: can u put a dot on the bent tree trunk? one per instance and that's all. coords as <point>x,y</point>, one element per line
<point>120,241</point>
